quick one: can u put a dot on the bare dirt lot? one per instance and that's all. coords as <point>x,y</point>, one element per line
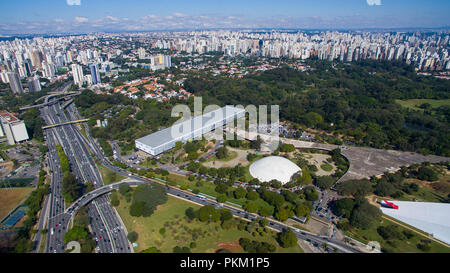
<point>10,198</point>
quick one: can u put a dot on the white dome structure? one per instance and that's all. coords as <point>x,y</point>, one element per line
<point>273,167</point>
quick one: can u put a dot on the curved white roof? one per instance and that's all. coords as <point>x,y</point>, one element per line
<point>273,167</point>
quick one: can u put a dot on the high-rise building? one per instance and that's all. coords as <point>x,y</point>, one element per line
<point>34,85</point>
<point>14,82</point>
<point>141,53</point>
<point>13,128</point>
<point>4,77</point>
<point>77,72</point>
<point>95,74</point>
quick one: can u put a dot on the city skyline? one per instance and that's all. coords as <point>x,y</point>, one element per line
<point>80,16</point>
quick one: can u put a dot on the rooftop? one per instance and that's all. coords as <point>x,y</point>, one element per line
<point>185,128</point>
<point>274,168</point>
<point>8,117</point>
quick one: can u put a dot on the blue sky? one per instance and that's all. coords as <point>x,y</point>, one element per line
<point>40,16</point>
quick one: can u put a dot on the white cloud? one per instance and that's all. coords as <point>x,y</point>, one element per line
<point>74,2</point>
<point>374,2</point>
<point>81,19</point>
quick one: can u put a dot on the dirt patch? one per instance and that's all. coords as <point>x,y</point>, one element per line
<point>7,167</point>
<point>241,158</point>
<point>234,247</point>
<point>10,198</point>
<point>318,160</point>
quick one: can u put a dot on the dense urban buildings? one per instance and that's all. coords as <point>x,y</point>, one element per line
<point>47,58</point>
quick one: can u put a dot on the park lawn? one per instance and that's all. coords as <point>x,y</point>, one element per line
<point>171,216</point>
<point>230,156</point>
<point>10,198</point>
<point>398,246</point>
<point>423,194</point>
<point>326,167</point>
<point>147,164</point>
<point>109,176</point>
<point>415,103</point>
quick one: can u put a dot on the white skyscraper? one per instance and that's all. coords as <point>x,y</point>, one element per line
<point>15,83</point>
<point>77,72</point>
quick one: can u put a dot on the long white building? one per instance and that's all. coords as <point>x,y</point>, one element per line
<point>165,139</point>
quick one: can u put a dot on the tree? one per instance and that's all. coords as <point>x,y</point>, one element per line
<point>305,178</point>
<point>344,207</point>
<point>311,194</point>
<point>239,193</point>
<point>75,234</point>
<point>357,188</point>
<point>183,249</point>
<point>146,198</point>
<point>287,239</point>
<point>301,210</point>
<point>132,236</point>
<point>256,144</point>
<point>222,198</point>
<point>71,187</point>
<point>114,199</point>
<point>137,208</point>
<point>324,182</point>
<point>427,173</point>
<point>251,207</point>
<point>207,213</point>
<point>178,145</point>
<point>384,188</point>
<point>273,198</point>
<point>276,184</point>
<point>364,215</point>
<point>282,215</point>
<point>222,152</point>
<point>124,188</point>
<point>225,214</point>
<point>221,187</point>
<point>312,119</point>
<point>287,148</point>
<point>190,213</point>
<point>252,195</point>
<point>390,232</point>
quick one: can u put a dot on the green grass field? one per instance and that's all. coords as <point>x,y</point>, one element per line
<point>326,167</point>
<point>415,103</point>
<point>230,156</point>
<point>109,176</point>
<point>178,231</point>
<point>397,246</point>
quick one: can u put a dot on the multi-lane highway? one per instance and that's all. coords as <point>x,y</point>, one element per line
<point>105,225</point>
<point>302,235</point>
